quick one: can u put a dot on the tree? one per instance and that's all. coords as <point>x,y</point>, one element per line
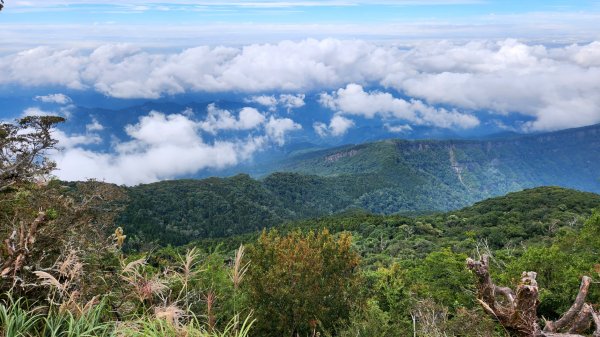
<point>22,149</point>
<point>302,284</point>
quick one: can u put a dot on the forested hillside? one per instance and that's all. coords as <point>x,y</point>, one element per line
<point>394,176</point>
<point>530,216</point>
<point>460,172</point>
<point>414,267</point>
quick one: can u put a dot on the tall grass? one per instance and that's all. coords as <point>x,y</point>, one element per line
<point>66,324</point>
<point>162,328</point>
<point>143,301</point>
<point>17,319</point>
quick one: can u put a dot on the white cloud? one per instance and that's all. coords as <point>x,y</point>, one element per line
<point>54,98</point>
<point>338,126</point>
<point>162,147</point>
<point>69,141</point>
<point>219,119</point>
<point>292,101</point>
<point>556,86</point>
<point>398,128</point>
<point>94,126</point>
<point>277,128</point>
<point>321,129</point>
<point>266,100</point>
<point>125,71</point>
<point>288,101</point>
<point>354,100</point>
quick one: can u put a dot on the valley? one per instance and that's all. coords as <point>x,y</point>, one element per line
<point>387,177</point>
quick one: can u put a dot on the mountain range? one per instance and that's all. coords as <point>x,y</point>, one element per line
<point>385,177</point>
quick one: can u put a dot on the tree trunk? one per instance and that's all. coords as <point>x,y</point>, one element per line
<point>516,310</point>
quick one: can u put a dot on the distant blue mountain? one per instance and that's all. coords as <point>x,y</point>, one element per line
<point>115,114</point>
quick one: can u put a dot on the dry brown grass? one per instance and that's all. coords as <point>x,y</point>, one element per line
<point>239,268</point>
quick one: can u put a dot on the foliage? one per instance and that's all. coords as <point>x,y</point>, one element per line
<point>408,260</point>
<point>44,220</point>
<point>177,212</point>
<point>20,320</point>
<point>22,148</point>
<point>302,284</point>
<point>370,321</point>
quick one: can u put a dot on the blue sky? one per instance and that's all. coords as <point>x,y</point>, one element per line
<point>261,11</point>
<point>181,23</point>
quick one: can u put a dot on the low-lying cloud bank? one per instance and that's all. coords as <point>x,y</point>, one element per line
<point>168,146</point>
<point>557,87</point>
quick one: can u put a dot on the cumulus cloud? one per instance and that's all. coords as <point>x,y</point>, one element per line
<point>292,101</point>
<point>288,101</point>
<point>556,87</point>
<point>161,147</point>
<point>269,101</point>
<point>54,98</point>
<point>126,71</point>
<point>66,141</point>
<point>276,128</point>
<point>338,126</point>
<point>354,100</point>
<point>219,119</point>
<point>94,126</point>
<point>398,128</point>
<point>164,146</point>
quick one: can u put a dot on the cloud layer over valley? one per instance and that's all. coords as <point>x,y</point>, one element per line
<point>442,84</point>
<point>164,146</point>
<point>556,86</point>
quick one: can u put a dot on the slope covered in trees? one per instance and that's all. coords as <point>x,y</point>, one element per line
<point>460,172</point>
<point>178,212</point>
<point>388,177</point>
<point>413,268</point>
<point>530,216</point>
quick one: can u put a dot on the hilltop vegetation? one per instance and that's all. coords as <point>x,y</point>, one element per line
<point>178,212</point>
<point>472,170</point>
<point>386,177</point>
<point>531,216</point>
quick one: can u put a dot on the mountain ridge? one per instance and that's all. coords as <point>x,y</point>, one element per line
<point>386,177</point>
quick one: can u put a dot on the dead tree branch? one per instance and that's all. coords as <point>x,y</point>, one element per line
<point>517,311</point>
<point>18,247</point>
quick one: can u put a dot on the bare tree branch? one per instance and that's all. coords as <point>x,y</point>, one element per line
<point>575,309</point>
<point>517,313</point>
